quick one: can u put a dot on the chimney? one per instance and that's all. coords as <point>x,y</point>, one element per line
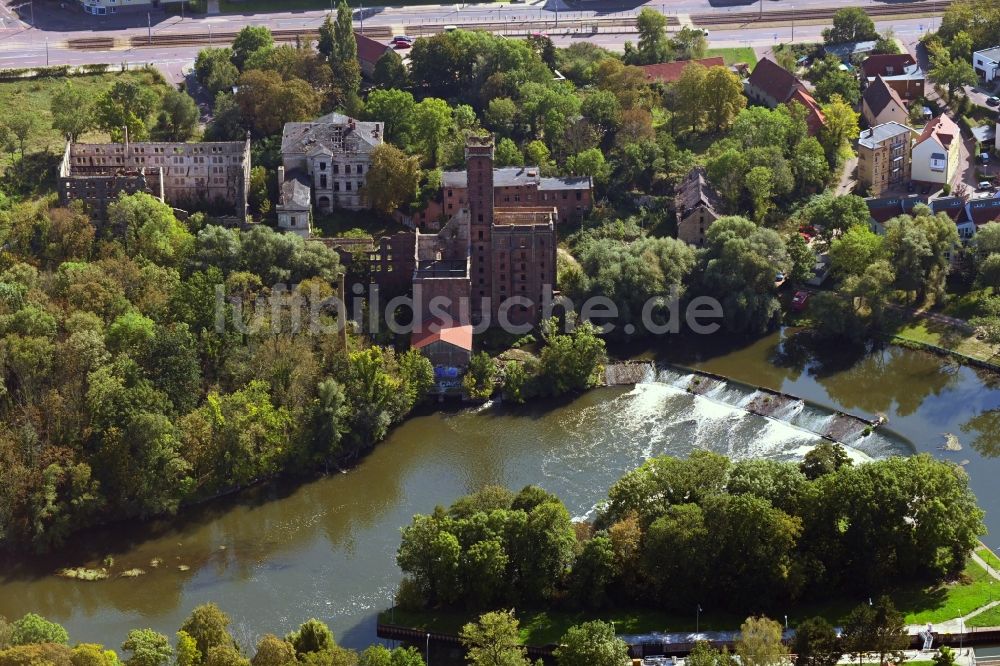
<point>281,181</point>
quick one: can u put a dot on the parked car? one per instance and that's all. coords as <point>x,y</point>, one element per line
<point>401,45</point>
<point>799,300</point>
<point>402,38</point>
<point>985,185</point>
<point>993,101</point>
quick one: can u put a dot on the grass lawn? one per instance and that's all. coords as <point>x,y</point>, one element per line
<point>734,55</point>
<point>942,335</point>
<point>990,618</point>
<point>919,605</point>
<point>35,95</point>
<point>990,557</point>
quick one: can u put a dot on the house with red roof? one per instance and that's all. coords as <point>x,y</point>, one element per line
<point>881,104</point>
<point>770,84</point>
<point>937,152</point>
<point>669,72</point>
<point>448,345</point>
<point>815,120</point>
<point>898,70</point>
<point>369,52</point>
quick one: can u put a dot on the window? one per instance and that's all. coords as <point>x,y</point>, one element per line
<point>322,181</point>
<point>336,187</point>
<point>322,166</point>
<point>359,169</point>
<point>347,186</point>
<point>336,168</point>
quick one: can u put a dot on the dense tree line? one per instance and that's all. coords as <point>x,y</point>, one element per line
<point>139,371</point>
<point>743,536</point>
<point>205,639</point>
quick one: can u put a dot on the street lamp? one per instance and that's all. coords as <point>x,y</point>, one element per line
<point>427,650</point>
<point>697,620</point>
<point>786,623</point>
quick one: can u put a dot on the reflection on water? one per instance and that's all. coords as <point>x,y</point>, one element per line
<point>277,555</point>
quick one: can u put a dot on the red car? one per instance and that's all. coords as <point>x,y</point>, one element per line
<point>799,300</point>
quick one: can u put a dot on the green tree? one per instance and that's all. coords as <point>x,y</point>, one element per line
<point>390,72</point>
<point>36,629</point>
<point>215,70</point>
<point>654,46</point>
<point>571,362</point>
<point>952,73</point>
<point>760,643</point>
<point>177,119</point>
<point>760,184</point>
<point>72,111</point>
<point>855,250</point>
<point>494,641</point>
<point>272,651</point>
<point>312,636</point>
<point>508,154</point>
<point>209,627</point>
<point>150,229</point>
<point>430,556</point>
<point>379,655</point>
<point>917,246</point>
<point>148,648</point>
<point>249,40</point>
<point>837,81</point>
<point>841,126</point>
<point>432,122</point>
<point>850,24</point>
<point>392,179</point>
<point>816,643</point>
<point>480,378</point>
<point>394,109</point>
<point>689,43</point>
<point>344,57</point>
<point>225,655</point>
<point>187,650</point>
<point>591,644</point>
<point>22,125</point>
<point>127,105</point>
<point>723,97</point>
<point>945,657</point>
<point>690,91</point>
<point>825,458</point>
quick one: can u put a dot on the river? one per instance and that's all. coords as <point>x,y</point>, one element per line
<point>275,556</point>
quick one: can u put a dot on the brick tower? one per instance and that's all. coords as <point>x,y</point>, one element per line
<point>479,167</point>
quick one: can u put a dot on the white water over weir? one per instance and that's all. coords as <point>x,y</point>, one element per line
<point>745,421</point>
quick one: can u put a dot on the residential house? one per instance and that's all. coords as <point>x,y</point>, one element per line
<point>884,156</point>
<point>333,154</point>
<point>937,151</point>
<point>987,63</point>
<point>770,84</point>
<point>697,205</point>
<point>212,176</point>
<point>898,70</point>
<point>447,346</point>
<point>294,207</point>
<point>369,52</point>
<point>669,72</point>
<point>881,104</point>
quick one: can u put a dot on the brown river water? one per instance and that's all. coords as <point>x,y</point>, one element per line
<point>277,555</point>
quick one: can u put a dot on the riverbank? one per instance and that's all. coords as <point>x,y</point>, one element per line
<point>541,630</point>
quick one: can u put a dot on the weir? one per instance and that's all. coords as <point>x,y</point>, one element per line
<point>833,426</point>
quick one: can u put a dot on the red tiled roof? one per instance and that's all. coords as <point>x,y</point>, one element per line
<point>774,80</point>
<point>815,119</point>
<point>942,127</point>
<point>878,65</point>
<point>668,72</point>
<point>369,50</point>
<point>458,335</point>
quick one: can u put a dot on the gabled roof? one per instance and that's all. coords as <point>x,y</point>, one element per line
<point>369,50</point>
<point>295,191</point>
<point>982,211</point>
<point>774,80</point>
<point>456,335</point>
<point>886,64</point>
<point>943,129</point>
<point>694,191</point>
<point>668,72</point>
<point>879,95</point>
<point>815,118</point>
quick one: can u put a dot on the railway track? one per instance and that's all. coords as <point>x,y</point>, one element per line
<point>598,23</point>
